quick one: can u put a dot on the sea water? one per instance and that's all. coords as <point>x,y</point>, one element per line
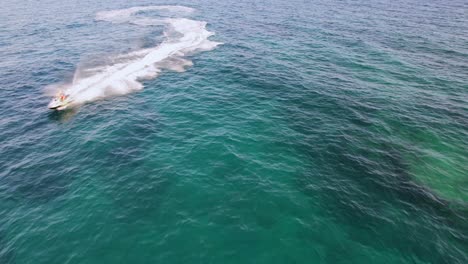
<point>234,132</point>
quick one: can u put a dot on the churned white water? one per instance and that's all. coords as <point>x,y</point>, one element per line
<point>183,37</point>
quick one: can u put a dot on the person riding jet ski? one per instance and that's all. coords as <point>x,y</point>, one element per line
<point>60,101</point>
<point>62,96</point>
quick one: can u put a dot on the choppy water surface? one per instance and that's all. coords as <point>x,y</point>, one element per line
<point>318,132</point>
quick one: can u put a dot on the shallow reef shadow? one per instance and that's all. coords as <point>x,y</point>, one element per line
<point>358,184</point>
<point>42,184</point>
<point>136,185</point>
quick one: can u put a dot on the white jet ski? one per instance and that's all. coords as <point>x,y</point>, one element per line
<point>60,102</point>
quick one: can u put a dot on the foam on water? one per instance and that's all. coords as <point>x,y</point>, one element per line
<point>124,75</point>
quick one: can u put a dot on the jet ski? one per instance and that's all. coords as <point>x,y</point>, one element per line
<point>60,102</point>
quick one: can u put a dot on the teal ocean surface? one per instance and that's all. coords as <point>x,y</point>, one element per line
<point>234,131</point>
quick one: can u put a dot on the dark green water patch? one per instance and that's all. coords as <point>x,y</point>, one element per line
<point>7,254</point>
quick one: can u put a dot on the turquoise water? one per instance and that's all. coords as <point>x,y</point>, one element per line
<point>318,132</point>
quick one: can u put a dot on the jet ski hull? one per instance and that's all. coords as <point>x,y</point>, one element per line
<point>59,108</point>
<point>56,104</point>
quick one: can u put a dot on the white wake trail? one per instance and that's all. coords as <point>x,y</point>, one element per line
<point>182,37</point>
